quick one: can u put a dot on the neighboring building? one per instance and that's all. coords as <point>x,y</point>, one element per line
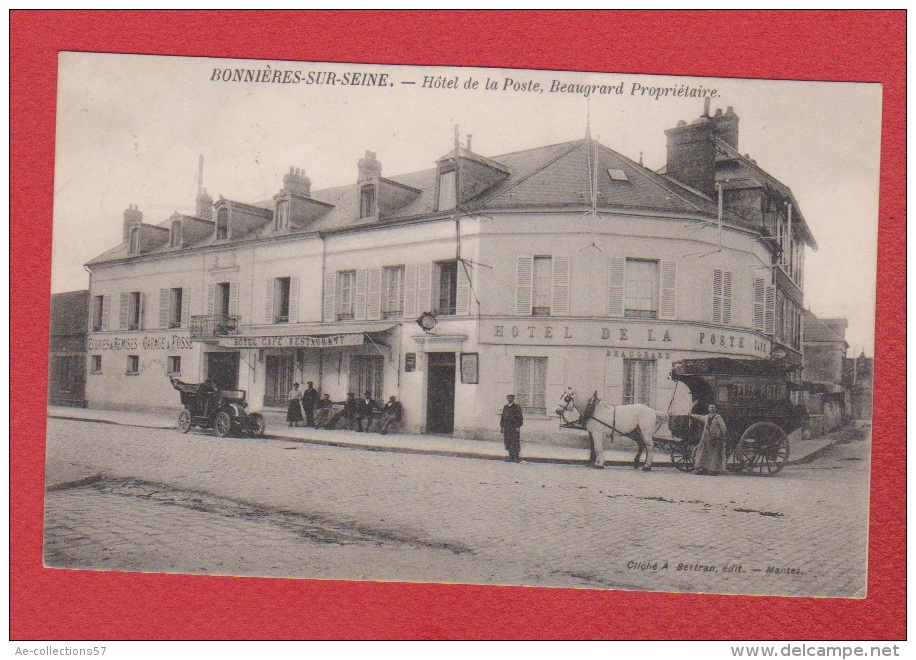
<point>567,264</point>
<point>858,378</point>
<point>67,352</point>
<point>825,352</point>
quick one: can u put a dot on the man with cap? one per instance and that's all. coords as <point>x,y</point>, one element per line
<point>509,423</point>
<point>364,409</point>
<point>309,400</point>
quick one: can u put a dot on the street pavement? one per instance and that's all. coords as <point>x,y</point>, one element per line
<point>149,499</point>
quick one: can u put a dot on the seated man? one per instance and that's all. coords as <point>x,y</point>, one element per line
<point>393,412</point>
<point>348,410</point>
<point>323,410</point>
<point>364,409</point>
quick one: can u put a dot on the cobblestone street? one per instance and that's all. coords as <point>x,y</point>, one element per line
<point>125,498</point>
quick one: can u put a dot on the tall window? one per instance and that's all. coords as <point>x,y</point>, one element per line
<point>222,224</point>
<point>542,281</point>
<point>133,364</point>
<point>721,297</point>
<point>98,311</point>
<point>346,289</point>
<point>446,287</point>
<point>283,214</point>
<point>639,382</point>
<point>176,297</point>
<point>447,190</point>
<point>393,292</point>
<point>134,246</point>
<point>281,300</point>
<point>95,364</point>
<point>221,304</point>
<point>175,234</point>
<point>173,365</point>
<point>367,202</point>
<point>641,289</point>
<point>135,311</point>
<point>531,383</point>
<point>366,375</point>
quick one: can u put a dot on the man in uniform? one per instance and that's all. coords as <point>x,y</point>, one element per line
<point>309,400</point>
<point>509,423</point>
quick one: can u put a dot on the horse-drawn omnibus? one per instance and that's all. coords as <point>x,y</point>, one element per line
<point>753,397</point>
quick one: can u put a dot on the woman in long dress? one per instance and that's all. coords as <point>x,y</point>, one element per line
<point>709,455</point>
<point>294,413</point>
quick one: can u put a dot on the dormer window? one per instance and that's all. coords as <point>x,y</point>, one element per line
<point>222,224</point>
<point>175,234</point>
<point>447,182</point>
<point>134,246</point>
<point>282,220</point>
<point>367,202</point>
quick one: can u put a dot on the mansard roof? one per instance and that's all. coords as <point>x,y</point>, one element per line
<point>554,177</point>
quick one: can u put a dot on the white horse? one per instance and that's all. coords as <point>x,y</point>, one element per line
<point>637,421</point>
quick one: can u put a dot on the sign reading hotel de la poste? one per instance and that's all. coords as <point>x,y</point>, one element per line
<point>449,270</point>
<point>626,336</point>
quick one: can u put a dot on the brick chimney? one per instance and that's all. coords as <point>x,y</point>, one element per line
<point>692,153</point>
<point>726,126</point>
<point>369,167</point>
<point>296,182</point>
<point>204,205</point>
<point>132,217</point>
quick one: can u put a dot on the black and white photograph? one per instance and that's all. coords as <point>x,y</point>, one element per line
<point>462,325</point>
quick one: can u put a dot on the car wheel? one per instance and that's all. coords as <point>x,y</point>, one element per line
<point>184,421</point>
<point>222,425</point>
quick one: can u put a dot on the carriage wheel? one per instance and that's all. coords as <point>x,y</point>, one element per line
<point>763,450</point>
<point>222,425</point>
<point>257,425</point>
<point>184,421</point>
<point>682,456</point>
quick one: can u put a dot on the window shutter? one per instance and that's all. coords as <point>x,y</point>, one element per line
<point>524,285</point>
<point>293,299</point>
<point>269,286</point>
<point>106,312</point>
<point>726,297</point>
<point>668,290</point>
<point>463,296</point>
<point>616,271</point>
<point>523,381</point>
<point>769,315</point>
<point>424,287</point>
<point>716,296</point>
<point>164,308</point>
<point>211,300</point>
<point>125,311</point>
<point>233,299</point>
<point>374,304</point>
<point>330,290</point>
<point>504,376</point>
<point>410,291</point>
<point>185,307</point>
<point>759,303</point>
<point>362,280</point>
<point>560,301</point>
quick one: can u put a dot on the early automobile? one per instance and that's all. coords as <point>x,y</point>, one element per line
<point>208,407</point>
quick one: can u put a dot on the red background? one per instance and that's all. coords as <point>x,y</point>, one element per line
<point>57,604</point>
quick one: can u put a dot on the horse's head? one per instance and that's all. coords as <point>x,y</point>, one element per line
<point>566,401</point>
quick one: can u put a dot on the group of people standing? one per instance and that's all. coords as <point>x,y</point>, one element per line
<point>318,411</point>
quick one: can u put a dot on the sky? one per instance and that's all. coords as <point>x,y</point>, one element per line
<point>131,128</point>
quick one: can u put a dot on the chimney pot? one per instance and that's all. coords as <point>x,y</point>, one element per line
<point>369,167</point>
<point>706,103</point>
<point>297,182</point>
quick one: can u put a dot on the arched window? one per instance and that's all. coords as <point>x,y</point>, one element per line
<point>134,246</point>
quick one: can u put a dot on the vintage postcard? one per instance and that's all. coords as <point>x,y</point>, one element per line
<point>364,322</point>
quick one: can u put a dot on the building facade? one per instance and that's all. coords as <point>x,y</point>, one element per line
<point>826,395</point>
<point>563,265</point>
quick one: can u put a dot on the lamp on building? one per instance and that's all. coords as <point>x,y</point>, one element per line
<point>426,321</point>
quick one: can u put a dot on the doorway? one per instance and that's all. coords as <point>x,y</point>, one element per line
<point>279,381</point>
<point>223,369</point>
<point>440,393</point>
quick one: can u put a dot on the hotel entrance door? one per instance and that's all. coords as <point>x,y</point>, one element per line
<point>440,393</point>
<point>279,380</point>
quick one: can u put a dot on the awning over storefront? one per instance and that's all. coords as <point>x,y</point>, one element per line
<point>305,335</point>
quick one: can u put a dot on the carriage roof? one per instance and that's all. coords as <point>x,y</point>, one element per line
<point>728,367</point>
